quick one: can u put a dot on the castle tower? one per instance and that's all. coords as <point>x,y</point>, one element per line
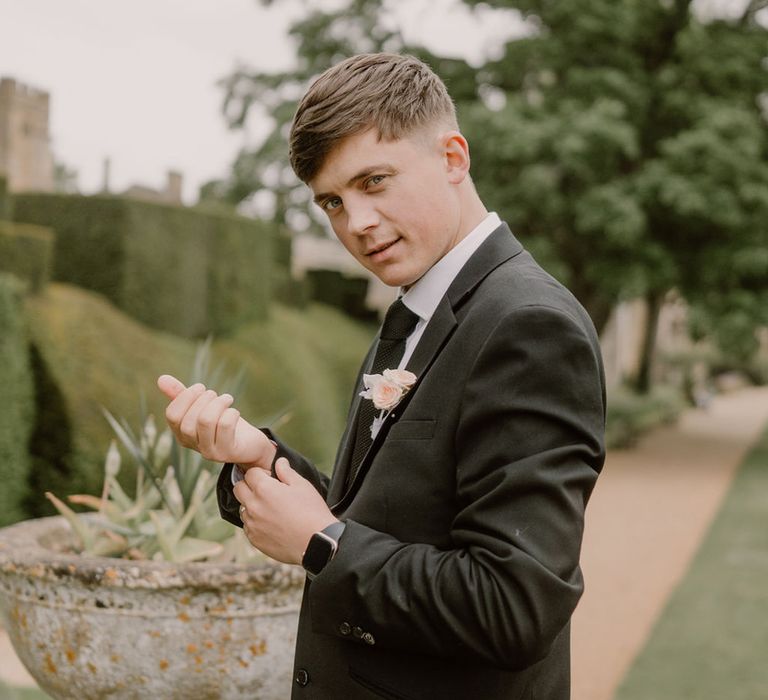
<point>26,158</point>
<point>173,187</point>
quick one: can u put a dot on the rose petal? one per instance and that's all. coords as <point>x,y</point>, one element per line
<point>386,395</point>
<point>401,377</point>
<point>371,380</point>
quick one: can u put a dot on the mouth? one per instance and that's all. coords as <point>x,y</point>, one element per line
<point>381,247</point>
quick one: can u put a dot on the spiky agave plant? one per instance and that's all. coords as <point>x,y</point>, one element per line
<point>173,514</point>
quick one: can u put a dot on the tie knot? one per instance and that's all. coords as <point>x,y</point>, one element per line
<point>399,322</point>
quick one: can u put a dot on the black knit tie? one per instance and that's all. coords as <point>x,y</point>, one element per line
<point>398,325</point>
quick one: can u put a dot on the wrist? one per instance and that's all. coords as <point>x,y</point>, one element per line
<point>264,461</point>
<point>322,548</point>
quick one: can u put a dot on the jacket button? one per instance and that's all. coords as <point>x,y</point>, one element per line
<point>302,677</point>
<point>368,638</point>
<point>345,628</point>
<point>357,632</point>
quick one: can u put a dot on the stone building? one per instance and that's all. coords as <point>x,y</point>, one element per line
<point>170,194</point>
<point>26,158</point>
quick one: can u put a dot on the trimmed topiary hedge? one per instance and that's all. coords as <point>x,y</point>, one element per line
<point>345,293</point>
<point>16,401</point>
<point>240,264</point>
<point>27,252</point>
<point>181,270</point>
<point>6,201</point>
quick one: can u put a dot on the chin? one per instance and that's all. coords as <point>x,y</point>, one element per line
<point>395,279</point>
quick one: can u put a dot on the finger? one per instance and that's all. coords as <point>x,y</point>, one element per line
<point>189,424</point>
<point>241,491</point>
<point>255,478</point>
<point>170,386</point>
<point>245,497</point>
<point>177,409</point>
<point>285,473</point>
<point>207,423</point>
<point>226,429</point>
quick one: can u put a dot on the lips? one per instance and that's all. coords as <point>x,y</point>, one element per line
<point>381,247</point>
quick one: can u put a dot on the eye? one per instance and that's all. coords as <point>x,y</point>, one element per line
<point>331,204</point>
<point>374,180</point>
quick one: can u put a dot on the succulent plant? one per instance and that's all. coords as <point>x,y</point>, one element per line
<point>173,514</point>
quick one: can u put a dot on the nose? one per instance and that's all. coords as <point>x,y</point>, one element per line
<point>362,216</point>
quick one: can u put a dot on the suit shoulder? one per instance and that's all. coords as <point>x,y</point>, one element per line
<point>521,282</point>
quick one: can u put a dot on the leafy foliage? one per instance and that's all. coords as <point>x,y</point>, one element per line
<point>85,354</point>
<point>27,252</point>
<point>16,402</point>
<point>173,514</point>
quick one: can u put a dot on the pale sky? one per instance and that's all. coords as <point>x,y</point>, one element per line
<point>135,80</point>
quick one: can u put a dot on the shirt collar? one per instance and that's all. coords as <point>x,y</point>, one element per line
<point>425,294</point>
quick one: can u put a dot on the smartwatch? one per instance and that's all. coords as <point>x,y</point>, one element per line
<point>321,549</point>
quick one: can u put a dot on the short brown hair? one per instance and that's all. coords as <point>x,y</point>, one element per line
<point>395,94</point>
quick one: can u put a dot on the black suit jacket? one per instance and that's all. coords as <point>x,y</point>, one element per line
<point>458,570</point>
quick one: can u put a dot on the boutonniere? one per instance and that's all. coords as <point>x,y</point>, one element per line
<point>386,390</point>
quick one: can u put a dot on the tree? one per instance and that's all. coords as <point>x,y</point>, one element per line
<point>619,115</point>
<point>624,141</point>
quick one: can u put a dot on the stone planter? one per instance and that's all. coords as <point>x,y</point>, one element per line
<point>91,627</point>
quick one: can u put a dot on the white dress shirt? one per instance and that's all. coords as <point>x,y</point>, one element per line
<point>424,295</point>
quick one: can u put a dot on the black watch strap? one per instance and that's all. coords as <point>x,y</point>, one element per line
<point>334,530</point>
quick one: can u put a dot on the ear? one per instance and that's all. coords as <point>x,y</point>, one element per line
<point>456,154</point>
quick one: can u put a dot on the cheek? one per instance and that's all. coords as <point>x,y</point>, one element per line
<point>429,212</point>
<point>343,237</point>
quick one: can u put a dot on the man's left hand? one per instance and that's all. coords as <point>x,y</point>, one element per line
<point>282,514</point>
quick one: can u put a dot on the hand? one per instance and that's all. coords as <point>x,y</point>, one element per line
<point>282,514</point>
<point>204,421</point>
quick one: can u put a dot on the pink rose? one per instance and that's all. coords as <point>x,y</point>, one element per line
<point>386,390</point>
<point>402,377</point>
<point>386,395</point>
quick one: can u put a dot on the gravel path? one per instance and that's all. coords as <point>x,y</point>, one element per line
<point>649,512</point>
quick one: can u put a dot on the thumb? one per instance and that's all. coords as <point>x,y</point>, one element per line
<point>285,473</point>
<point>170,386</point>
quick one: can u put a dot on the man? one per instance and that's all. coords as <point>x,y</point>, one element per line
<point>442,555</point>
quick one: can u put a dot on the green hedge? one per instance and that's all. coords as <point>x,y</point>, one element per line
<point>345,293</point>
<point>87,354</point>
<point>181,270</point>
<point>6,201</point>
<point>239,273</point>
<point>630,414</point>
<point>27,252</point>
<point>16,401</point>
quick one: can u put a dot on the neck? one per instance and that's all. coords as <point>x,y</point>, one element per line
<point>472,211</point>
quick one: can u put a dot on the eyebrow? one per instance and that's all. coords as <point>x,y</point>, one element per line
<point>356,178</point>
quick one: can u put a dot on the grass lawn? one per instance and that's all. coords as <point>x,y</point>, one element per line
<point>711,641</point>
<point>8,693</point>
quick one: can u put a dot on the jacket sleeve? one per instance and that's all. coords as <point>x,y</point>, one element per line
<point>529,446</point>
<point>229,505</point>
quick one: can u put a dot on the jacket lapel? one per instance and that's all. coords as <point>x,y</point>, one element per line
<point>499,247</point>
<point>344,453</point>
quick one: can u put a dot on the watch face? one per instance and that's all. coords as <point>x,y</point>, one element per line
<point>319,552</point>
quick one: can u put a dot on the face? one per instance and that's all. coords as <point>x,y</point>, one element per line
<point>394,205</point>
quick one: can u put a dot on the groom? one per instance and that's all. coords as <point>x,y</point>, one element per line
<point>442,556</point>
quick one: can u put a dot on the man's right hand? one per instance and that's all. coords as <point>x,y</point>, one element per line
<point>204,421</point>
